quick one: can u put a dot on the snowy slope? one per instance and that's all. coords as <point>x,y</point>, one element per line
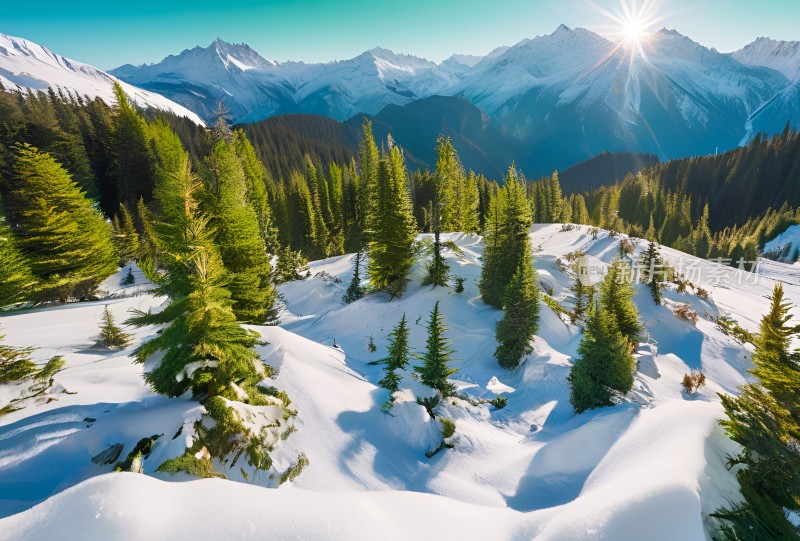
<point>782,56</point>
<point>26,65</point>
<point>652,467</point>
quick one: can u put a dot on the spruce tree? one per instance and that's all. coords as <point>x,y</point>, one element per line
<point>355,290</point>
<point>17,282</point>
<point>201,326</point>
<point>392,227</point>
<point>604,368</point>
<point>652,264</point>
<point>397,358</point>
<point>616,296</point>
<point>765,420</point>
<point>521,318</point>
<point>111,335</point>
<point>127,236</point>
<point>69,245</point>
<point>438,354</point>
<point>238,236</point>
<point>580,290</point>
<point>506,239</point>
<point>133,161</point>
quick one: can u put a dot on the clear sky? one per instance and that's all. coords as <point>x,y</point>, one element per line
<point>108,34</point>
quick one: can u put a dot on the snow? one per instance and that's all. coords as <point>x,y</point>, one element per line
<point>789,237</point>
<point>654,463</point>
<point>26,65</point>
<point>783,56</point>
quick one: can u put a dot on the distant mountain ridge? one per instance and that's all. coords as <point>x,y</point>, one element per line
<point>562,97</point>
<point>25,65</point>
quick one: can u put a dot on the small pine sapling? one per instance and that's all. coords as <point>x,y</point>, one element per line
<point>111,335</point>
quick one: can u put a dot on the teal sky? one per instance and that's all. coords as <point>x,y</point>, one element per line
<point>108,34</point>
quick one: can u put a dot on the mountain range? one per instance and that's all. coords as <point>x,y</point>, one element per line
<point>548,102</point>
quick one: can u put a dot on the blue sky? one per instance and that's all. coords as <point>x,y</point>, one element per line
<point>108,34</point>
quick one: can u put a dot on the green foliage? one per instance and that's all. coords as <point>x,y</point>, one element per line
<point>201,325</point>
<point>129,279</point>
<point>729,327</point>
<point>188,463</point>
<point>499,402</point>
<point>15,363</point>
<point>132,158</point>
<point>391,225</point>
<point>126,236</point>
<point>604,368</point>
<point>459,284</point>
<point>16,279</point>
<point>238,236</point>
<point>448,427</point>
<point>142,449</point>
<point>506,239</point>
<point>515,331</point>
<point>438,272</point>
<point>295,469</point>
<point>652,270</point>
<point>437,355</point>
<point>67,242</point>
<point>397,358</point>
<point>111,336</point>
<point>355,290</point>
<point>290,265</point>
<point>616,296</point>
<point>763,419</point>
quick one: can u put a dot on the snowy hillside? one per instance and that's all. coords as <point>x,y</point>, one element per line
<point>651,467</point>
<point>782,56</point>
<point>25,65</point>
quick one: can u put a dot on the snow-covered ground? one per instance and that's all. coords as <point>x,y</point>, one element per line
<point>650,468</point>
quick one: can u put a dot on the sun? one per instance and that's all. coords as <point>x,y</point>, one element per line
<point>634,30</point>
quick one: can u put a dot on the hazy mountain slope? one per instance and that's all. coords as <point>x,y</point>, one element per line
<point>25,65</point>
<point>782,56</point>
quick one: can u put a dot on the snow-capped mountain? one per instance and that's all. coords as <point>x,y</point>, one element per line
<point>26,65</point>
<point>573,94</point>
<point>783,56</point>
<point>251,86</point>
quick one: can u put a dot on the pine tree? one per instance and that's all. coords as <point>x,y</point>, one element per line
<point>201,326</point>
<point>438,354</point>
<point>397,358</point>
<point>111,336</point>
<point>133,162</point>
<point>604,368</point>
<point>15,363</point>
<point>506,239</point>
<point>127,237</point>
<point>765,420</point>
<point>521,318</point>
<point>616,296</point>
<point>238,237</point>
<point>69,245</point>
<point>355,291</point>
<point>392,227</point>
<point>651,264</point>
<point>17,282</point>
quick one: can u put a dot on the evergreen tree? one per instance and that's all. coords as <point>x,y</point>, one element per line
<point>652,264</point>
<point>133,162</point>
<point>616,296</point>
<point>438,354</point>
<point>238,236</point>
<point>111,336</point>
<point>69,245</point>
<point>201,326</point>
<point>506,239</point>
<point>604,368</point>
<point>127,237</point>
<point>257,179</point>
<point>355,291</point>
<point>521,318</point>
<point>397,358</point>
<point>392,227</point>
<point>15,363</point>
<point>17,282</point>
<point>765,420</point>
